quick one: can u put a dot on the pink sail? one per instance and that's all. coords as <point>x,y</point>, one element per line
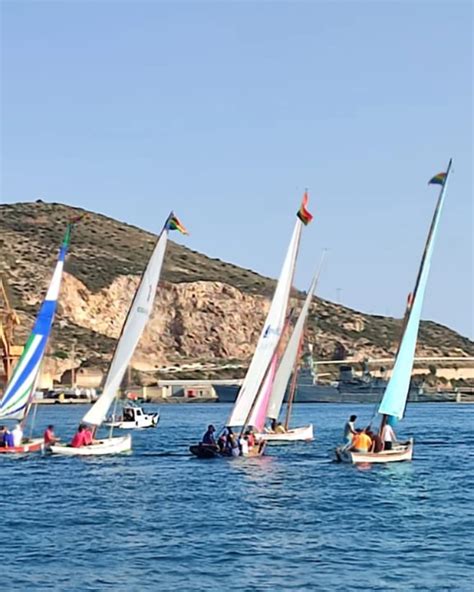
<point>259,414</point>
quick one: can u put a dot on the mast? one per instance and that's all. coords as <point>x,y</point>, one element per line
<point>395,397</point>
<point>312,289</point>
<point>289,405</point>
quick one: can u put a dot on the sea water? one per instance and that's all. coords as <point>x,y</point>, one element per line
<point>159,519</point>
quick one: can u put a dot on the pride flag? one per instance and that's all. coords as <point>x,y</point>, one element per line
<point>174,224</point>
<point>438,179</point>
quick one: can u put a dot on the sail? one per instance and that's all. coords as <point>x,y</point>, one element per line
<point>395,396</point>
<point>20,390</point>
<point>259,412</point>
<point>288,360</point>
<point>270,335</point>
<point>135,323</point>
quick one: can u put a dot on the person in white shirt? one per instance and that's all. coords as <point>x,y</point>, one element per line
<point>388,437</point>
<point>244,446</point>
<point>17,434</point>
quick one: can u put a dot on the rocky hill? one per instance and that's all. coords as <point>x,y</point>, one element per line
<point>207,311</point>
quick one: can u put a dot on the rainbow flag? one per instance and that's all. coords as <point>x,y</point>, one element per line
<point>174,224</point>
<point>303,213</point>
<point>438,179</point>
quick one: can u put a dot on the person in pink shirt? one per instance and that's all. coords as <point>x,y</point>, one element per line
<point>79,438</point>
<point>88,436</point>
<point>49,436</point>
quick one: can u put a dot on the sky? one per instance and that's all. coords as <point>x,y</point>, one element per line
<point>227,111</point>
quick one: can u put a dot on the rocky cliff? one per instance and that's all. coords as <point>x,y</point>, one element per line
<point>207,312</point>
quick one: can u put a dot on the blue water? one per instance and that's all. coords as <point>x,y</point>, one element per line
<point>159,519</point>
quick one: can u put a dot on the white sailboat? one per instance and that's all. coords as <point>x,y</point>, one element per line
<point>137,318</point>
<point>17,399</point>
<point>251,405</point>
<point>288,366</point>
<point>394,400</point>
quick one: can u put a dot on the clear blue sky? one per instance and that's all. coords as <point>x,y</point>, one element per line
<point>226,111</point>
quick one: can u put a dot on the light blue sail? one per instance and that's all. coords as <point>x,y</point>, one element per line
<point>20,389</point>
<point>395,396</point>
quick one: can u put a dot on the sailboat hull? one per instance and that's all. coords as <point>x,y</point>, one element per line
<point>103,447</point>
<point>304,434</point>
<point>35,445</point>
<point>206,451</point>
<point>401,453</point>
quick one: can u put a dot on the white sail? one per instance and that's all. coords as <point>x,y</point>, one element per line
<point>288,360</point>
<point>269,337</point>
<point>135,323</point>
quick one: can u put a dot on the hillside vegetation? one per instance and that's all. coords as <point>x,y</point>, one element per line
<point>206,309</point>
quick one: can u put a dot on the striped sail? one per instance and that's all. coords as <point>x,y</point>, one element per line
<point>395,396</point>
<point>19,392</point>
<point>137,318</point>
<point>269,337</point>
<point>288,360</point>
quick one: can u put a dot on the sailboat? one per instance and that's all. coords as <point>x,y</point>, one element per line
<point>394,400</point>
<point>18,397</point>
<point>288,366</point>
<point>250,408</point>
<point>133,327</point>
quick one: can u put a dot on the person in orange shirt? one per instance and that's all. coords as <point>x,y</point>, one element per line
<point>361,441</point>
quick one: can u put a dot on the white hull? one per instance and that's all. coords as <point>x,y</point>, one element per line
<point>400,453</point>
<point>100,448</point>
<point>149,420</point>
<point>304,434</point>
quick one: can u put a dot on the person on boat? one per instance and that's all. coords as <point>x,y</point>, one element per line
<point>350,430</point>
<point>88,436</point>
<point>377,442</point>
<point>250,437</point>
<point>232,447</point>
<point>49,436</point>
<point>3,432</point>
<point>79,437</point>
<point>388,437</point>
<point>208,438</point>
<point>222,441</point>
<point>8,439</point>
<point>273,425</point>
<point>280,429</point>
<point>244,445</point>
<point>17,434</point>
<point>361,442</point>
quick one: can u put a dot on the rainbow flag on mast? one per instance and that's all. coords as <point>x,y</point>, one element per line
<point>438,179</point>
<point>174,224</point>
